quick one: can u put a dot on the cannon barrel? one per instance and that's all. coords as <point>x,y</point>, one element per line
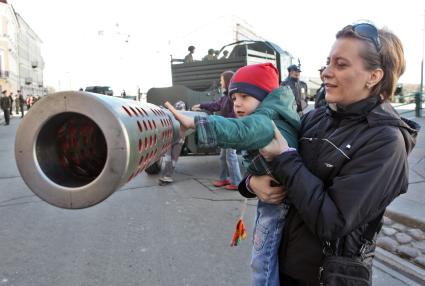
<point>74,149</point>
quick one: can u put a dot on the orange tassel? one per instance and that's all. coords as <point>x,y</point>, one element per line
<point>240,233</point>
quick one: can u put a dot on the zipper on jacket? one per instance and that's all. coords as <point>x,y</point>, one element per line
<point>310,139</point>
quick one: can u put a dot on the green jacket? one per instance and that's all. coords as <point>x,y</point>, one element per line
<point>255,131</point>
<point>5,102</point>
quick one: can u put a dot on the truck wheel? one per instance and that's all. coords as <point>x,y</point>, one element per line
<point>155,168</point>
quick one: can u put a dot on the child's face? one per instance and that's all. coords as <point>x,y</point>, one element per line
<point>244,104</point>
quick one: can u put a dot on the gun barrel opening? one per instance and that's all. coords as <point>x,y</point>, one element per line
<point>71,149</point>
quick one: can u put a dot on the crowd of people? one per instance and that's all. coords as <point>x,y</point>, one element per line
<point>210,56</point>
<point>8,100</point>
<point>323,178</point>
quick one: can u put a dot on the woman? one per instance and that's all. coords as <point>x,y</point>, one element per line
<point>230,174</point>
<point>352,157</point>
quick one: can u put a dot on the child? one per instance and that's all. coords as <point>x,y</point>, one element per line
<point>229,164</point>
<point>258,101</point>
<point>172,155</point>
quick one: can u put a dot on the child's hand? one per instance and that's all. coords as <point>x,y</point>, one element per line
<point>277,146</point>
<point>186,122</point>
<point>196,107</point>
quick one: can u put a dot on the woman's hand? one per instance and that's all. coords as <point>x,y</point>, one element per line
<point>262,187</point>
<point>277,146</point>
<point>186,122</point>
<point>196,107</point>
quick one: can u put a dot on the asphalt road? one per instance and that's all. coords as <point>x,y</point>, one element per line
<point>142,235</point>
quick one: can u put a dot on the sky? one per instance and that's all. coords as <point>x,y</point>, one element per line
<point>127,44</point>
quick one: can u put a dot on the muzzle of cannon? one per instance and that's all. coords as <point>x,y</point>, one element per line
<point>74,149</point>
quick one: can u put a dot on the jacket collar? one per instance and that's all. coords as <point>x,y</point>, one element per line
<point>360,108</point>
<point>377,113</point>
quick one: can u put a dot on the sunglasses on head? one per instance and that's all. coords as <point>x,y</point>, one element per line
<point>369,32</point>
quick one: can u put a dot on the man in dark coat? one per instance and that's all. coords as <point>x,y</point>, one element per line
<point>11,103</point>
<point>319,97</point>
<point>298,87</point>
<point>5,104</point>
<point>21,102</point>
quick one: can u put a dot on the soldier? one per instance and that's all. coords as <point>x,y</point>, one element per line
<point>11,103</point>
<point>210,55</point>
<point>319,97</point>
<point>5,105</point>
<point>216,53</point>
<point>17,103</point>
<point>225,53</point>
<point>298,87</point>
<point>189,57</point>
<point>21,101</point>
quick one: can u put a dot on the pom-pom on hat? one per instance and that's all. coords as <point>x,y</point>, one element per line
<point>255,80</point>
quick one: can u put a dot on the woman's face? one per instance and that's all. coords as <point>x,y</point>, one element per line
<point>222,83</point>
<point>345,75</point>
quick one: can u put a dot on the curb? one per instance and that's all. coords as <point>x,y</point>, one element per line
<point>400,265</point>
<point>405,219</point>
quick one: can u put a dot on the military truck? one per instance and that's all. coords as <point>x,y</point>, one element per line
<point>198,82</point>
<point>100,89</point>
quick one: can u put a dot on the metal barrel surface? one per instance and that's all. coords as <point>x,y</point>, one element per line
<point>74,149</point>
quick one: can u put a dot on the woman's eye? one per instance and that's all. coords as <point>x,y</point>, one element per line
<point>341,64</point>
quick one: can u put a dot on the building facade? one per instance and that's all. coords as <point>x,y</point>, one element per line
<point>21,63</point>
<point>9,29</point>
<point>31,64</point>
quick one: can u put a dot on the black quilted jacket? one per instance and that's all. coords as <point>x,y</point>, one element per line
<point>353,164</point>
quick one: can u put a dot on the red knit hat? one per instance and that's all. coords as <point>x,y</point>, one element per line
<point>255,80</point>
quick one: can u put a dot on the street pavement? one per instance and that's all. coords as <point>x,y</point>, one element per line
<point>409,207</point>
<point>141,235</point>
<point>149,235</point>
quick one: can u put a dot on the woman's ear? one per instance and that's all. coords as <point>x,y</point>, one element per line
<point>375,77</point>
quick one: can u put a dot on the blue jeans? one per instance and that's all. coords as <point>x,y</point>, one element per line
<point>268,229</point>
<point>229,166</point>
